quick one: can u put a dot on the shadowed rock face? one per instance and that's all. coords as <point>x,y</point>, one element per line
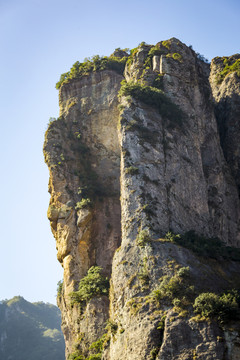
<point>227,103</point>
<point>146,162</point>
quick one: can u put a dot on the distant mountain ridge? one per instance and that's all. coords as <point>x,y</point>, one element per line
<point>30,331</point>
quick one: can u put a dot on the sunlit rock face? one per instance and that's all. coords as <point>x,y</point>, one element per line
<point>129,162</point>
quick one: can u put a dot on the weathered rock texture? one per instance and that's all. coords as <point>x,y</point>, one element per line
<point>227,98</point>
<point>153,171</point>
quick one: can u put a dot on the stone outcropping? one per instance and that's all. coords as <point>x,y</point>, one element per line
<point>227,102</point>
<point>129,162</point>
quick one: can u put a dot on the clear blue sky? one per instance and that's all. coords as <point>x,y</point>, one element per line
<point>39,40</point>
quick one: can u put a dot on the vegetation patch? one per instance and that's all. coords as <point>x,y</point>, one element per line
<point>154,51</point>
<point>132,170</point>
<point>229,68</point>
<point>166,44</point>
<point>135,305</point>
<point>210,247</point>
<point>131,56</point>
<point>177,289</point>
<point>83,204</point>
<point>96,63</point>
<point>143,275</point>
<point>223,307</point>
<point>175,56</point>
<point>95,350</point>
<point>59,288</point>
<point>93,284</point>
<point>32,330</point>
<point>158,82</point>
<point>153,97</point>
<point>143,238</point>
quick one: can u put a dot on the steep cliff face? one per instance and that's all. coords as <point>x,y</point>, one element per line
<point>129,163</point>
<point>225,83</point>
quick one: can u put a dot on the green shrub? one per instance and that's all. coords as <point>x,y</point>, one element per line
<point>143,276</point>
<point>59,288</point>
<point>228,69</point>
<point>143,238</point>
<point>172,237</point>
<point>132,54</point>
<point>76,356</point>
<point>96,63</point>
<point>161,323</point>
<point>51,120</point>
<point>152,52</point>
<point>167,44</point>
<point>175,288</point>
<point>99,344</point>
<point>202,58</point>
<point>175,56</point>
<point>224,307</point>
<point>93,284</point>
<point>207,304</point>
<point>184,272</point>
<point>94,357</point>
<point>154,97</point>
<point>158,82</point>
<point>83,204</point>
<point>95,350</point>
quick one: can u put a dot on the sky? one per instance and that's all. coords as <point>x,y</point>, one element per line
<point>39,40</point>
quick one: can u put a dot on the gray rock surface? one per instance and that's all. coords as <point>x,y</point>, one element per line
<point>167,167</point>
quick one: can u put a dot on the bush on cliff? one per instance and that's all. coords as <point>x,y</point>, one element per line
<point>96,63</point>
<point>224,307</point>
<point>93,284</point>
<point>228,69</point>
<point>177,287</point>
<point>59,288</point>
<point>83,204</point>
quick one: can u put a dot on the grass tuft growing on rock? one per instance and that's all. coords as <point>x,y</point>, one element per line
<point>143,238</point>
<point>83,204</point>
<point>132,170</point>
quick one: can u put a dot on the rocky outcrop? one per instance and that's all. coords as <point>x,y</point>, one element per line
<point>226,92</point>
<point>83,155</point>
<point>129,163</point>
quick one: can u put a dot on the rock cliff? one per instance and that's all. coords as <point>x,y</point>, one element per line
<point>144,184</point>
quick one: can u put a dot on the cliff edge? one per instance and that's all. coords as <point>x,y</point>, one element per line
<point>144,184</point>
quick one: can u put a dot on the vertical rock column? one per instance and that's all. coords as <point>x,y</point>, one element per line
<point>226,93</point>
<point>173,177</point>
<point>82,152</point>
